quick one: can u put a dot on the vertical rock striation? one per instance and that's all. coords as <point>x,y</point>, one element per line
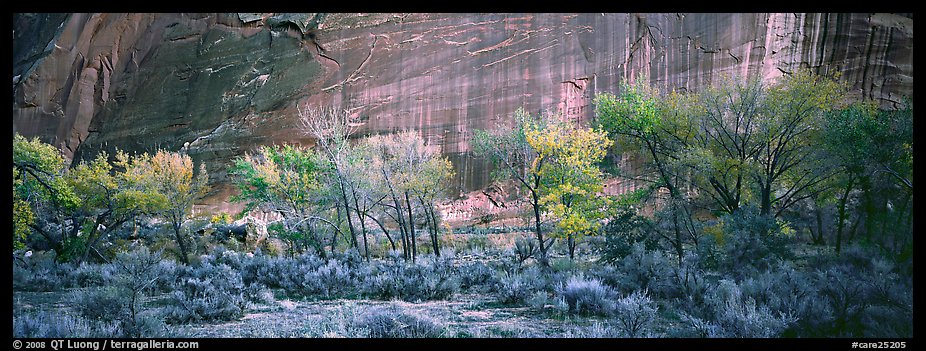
<point>217,85</point>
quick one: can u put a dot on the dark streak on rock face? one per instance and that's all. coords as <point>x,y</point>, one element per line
<point>217,87</point>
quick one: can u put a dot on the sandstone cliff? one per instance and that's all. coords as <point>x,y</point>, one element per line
<point>218,85</point>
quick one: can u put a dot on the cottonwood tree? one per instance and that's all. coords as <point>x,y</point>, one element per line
<point>727,142</point>
<point>789,164</point>
<point>41,193</point>
<point>426,176</point>
<point>172,175</point>
<point>661,130</point>
<point>869,149</point>
<point>411,170</point>
<point>514,158</point>
<point>844,144</point>
<point>365,189</point>
<point>332,127</point>
<point>385,160</point>
<point>572,182</point>
<point>110,197</point>
<point>284,179</point>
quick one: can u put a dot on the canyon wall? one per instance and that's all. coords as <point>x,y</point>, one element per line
<point>219,85</point>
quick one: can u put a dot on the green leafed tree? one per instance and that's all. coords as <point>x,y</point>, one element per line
<point>572,182</point>
<point>42,197</point>
<point>556,163</point>
<point>173,176</point>
<point>662,131</point>
<point>514,158</point>
<point>285,180</point>
<point>110,197</point>
<point>789,164</point>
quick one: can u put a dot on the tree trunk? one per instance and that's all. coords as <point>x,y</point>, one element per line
<point>334,236</point>
<point>411,227</point>
<point>363,227</point>
<point>436,231</point>
<point>854,230</point>
<point>678,236</point>
<point>381,226</point>
<point>842,214</point>
<point>819,240</point>
<point>183,249</point>
<point>429,219</point>
<point>572,246</point>
<point>535,202</point>
<point>869,210</point>
<point>399,217</point>
<point>766,199</point>
<point>901,213</point>
<point>350,224</point>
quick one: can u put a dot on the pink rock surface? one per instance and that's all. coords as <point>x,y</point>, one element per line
<point>443,74</point>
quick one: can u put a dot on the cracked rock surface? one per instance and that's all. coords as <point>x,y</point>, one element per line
<point>218,85</point>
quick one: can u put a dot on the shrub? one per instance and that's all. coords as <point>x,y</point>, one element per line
<point>594,331</point>
<point>431,278</point>
<point>741,317</point>
<point>107,303</point>
<point>524,248</point>
<point>695,327</point>
<point>329,280</point>
<point>635,314</point>
<point>752,242</point>
<point>87,275</point>
<point>40,272</point>
<point>649,270</point>
<point>393,323</point>
<point>123,301</point>
<point>785,291</point>
<point>477,276</point>
<point>513,290</point>
<point>207,293</point>
<point>690,282</point>
<point>145,324</point>
<point>846,301</point>
<point>48,324</point>
<point>623,232</point>
<point>588,297</point>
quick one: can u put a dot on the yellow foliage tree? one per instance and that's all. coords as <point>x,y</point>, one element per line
<point>172,175</point>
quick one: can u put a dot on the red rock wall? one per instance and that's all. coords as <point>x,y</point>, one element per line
<point>140,81</point>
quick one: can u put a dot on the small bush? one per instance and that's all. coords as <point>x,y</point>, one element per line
<point>785,291</point>
<point>40,272</point>
<point>329,280</point>
<point>207,293</point>
<point>145,324</point>
<point>477,276</point>
<point>514,290</point>
<point>625,230</point>
<point>48,324</point>
<point>649,270</point>
<point>690,283</point>
<point>106,304</point>
<point>741,317</point>
<point>431,278</point>
<point>588,297</point>
<point>635,315</point>
<point>538,300</point>
<point>695,327</point>
<point>524,248</point>
<point>752,242</point>
<point>87,275</point>
<point>393,323</point>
